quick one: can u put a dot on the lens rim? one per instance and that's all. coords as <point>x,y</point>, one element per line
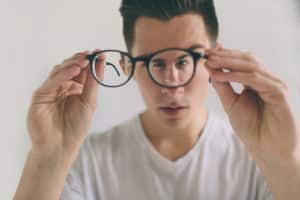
<point>146,59</point>
<point>196,56</point>
<point>92,57</point>
<point>172,85</point>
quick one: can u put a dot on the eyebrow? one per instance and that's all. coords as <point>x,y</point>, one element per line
<point>161,60</point>
<point>197,45</point>
<point>194,46</point>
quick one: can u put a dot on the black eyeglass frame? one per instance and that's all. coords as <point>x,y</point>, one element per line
<point>146,59</point>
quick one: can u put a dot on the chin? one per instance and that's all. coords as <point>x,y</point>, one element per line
<point>178,119</point>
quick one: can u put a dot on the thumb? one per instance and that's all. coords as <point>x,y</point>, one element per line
<point>89,93</point>
<point>224,90</point>
<point>226,93</point>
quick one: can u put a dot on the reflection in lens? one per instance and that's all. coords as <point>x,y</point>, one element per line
<point>172,67</point>
<point>117,68</point>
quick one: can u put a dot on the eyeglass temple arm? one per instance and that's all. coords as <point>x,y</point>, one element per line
<point>110,64</point>
<point>202,55</point>
<point>91,58</point>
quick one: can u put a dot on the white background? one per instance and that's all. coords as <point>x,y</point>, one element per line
<point>36,35</point>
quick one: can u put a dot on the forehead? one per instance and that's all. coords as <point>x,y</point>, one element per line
<point>181,31</point>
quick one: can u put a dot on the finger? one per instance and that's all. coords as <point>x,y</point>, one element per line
<point>89,94</point>
<point>83,53</point>
<point>255,81</point>
<point>240,65</point>
<point>63,73</point>
<point>247,56</point>
<point>232,64</point>
<point>78,60</point>
<point>232,54</point>
<point>81,78</point>
<point>71,63</point>
<point>74,88</point>
<point>57,79</point>
<point>67,89</point>
<point>225,92</point>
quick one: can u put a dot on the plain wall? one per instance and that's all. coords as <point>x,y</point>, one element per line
<point>36,35</point>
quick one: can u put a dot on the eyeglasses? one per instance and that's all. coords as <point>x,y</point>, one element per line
<point>169,68</point>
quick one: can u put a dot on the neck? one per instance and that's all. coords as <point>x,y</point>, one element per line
<point>173,141</point>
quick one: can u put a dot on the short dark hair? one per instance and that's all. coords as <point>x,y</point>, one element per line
<point>165,10</point>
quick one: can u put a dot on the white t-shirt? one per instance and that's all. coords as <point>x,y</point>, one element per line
<point>123,164</point>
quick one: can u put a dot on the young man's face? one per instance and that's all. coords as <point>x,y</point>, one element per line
<point>180,105</point>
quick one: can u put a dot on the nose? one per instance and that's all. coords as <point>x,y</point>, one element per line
<point>171,76</point>
<point>172,92</point>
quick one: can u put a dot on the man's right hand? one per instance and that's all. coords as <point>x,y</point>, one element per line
<point>62,109</point>
<point>59,118</point>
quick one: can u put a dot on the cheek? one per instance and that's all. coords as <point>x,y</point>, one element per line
<point>201,76</point>
<point>147,88</point>
<point>198,88</point>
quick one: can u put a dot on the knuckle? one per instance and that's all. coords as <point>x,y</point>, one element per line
<point>65,60</point>
<point>283,86</point>
<point>250,56</point>
<point>55,69</point>
<point>254,76</point>
<point>37,94</point>
<point>282,91</point>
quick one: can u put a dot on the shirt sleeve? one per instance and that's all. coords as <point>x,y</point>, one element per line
<point>72,189</point>
<point>263,191</point>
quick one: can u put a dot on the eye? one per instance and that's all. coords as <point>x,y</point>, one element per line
<point>182,63</point>
<point>159,65</point>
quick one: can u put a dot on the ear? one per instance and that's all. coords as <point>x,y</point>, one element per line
<point>125,66</point>
<point>122,63</point>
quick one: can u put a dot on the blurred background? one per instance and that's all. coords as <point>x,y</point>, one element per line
<point>36,35</point>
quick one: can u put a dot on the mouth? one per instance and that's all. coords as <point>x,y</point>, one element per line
<point>172,110</point>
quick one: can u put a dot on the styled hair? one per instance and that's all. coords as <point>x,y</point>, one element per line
<point>165,10</point>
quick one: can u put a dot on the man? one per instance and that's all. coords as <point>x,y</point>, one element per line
<point>176,149</point>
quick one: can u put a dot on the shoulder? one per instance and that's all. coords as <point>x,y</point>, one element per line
<point>110,141</point>
<point>221,131</point>
<point>224,131</point>
<point>224,140</point>
<point>234,156</point>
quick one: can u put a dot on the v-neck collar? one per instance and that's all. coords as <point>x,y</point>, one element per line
<point>160,160</point>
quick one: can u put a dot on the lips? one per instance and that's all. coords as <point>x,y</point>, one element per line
<point>172,110</point>
<point>173,105</point>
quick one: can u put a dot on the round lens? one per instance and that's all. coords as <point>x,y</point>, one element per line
<point>116,68</point>
<point>172,67</point>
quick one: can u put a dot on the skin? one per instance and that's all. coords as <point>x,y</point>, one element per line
<point>62,109</point>
<point>174,135</point>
